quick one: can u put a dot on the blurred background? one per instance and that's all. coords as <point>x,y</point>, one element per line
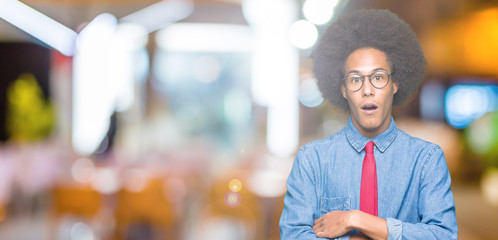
<point>180,119</point>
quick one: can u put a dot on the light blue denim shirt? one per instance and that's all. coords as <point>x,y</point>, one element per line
<point>414,194</point>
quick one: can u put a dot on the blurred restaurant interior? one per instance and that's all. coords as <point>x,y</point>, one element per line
<point>180,119</point>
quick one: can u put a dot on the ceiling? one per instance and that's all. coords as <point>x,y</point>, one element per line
<point>74,13</point>
<point>428,18</point>
<point>419,14</point>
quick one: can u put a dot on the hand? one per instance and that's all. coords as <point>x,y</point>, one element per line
<point>332,224</point>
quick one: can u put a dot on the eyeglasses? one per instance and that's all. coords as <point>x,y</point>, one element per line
<point>378,79</point>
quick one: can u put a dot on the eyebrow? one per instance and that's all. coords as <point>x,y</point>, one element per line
<point>374,70</point>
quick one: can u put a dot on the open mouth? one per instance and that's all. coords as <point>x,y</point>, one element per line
<point>369,107</point>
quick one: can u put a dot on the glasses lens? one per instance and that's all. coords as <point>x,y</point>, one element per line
<point>354,82</point>
<point>379,79</point>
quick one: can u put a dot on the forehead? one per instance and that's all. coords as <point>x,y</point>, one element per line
<point>365,60</point>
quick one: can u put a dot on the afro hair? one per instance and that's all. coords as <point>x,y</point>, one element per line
<point>379,29</point>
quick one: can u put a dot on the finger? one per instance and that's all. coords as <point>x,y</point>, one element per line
<point>320,234</point>
<point>319,227</point>
<point>317,220</point>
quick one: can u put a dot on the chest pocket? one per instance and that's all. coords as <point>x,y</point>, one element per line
<point>334,204</point>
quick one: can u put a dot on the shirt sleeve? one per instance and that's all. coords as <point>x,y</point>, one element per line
<point>436,204</point>
<point>300,202</point>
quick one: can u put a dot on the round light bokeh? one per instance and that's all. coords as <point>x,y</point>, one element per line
<point>303,34</point>
<point>232,199</point>
<point>83,170</point>
<point>235,185</point>
<point>309,93</point>
<point>319,11</point>
<point>134,180</point>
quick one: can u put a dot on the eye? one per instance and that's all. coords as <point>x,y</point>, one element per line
<point>379,76</point>
<point>354,79</point>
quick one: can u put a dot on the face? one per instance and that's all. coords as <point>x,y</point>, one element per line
<point>370,107</point>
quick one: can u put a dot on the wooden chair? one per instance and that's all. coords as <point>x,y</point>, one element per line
<point>73,201</point>
<point>146,210</point>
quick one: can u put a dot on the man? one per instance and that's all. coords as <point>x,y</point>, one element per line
<point>369,180</point>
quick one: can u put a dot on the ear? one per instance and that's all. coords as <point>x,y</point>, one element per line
<point>343,91</point>
<point>395,87</point>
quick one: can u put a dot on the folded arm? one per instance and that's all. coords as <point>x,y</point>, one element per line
<point>338,223</point>
<point>300,203</point>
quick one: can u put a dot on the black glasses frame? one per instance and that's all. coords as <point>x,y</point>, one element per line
<point>369,79</point>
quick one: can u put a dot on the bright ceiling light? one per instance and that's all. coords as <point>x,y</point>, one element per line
<point>94,88</point>
<point>303,34</point>
<point>158,15</point>
<point>268,14</point>
<point>39,26</point>
<point>319,11</point>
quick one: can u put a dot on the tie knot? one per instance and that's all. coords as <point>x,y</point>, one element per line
<point>369,148</point>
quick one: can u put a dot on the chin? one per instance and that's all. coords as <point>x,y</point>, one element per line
<point>371,127</point>
<point>370,123</point>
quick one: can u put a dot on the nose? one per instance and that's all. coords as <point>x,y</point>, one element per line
<point>367,89</point>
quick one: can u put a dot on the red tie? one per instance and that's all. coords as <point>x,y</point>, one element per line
<point>368,192</point>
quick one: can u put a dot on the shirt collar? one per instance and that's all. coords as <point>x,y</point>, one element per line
<point>382,141</point>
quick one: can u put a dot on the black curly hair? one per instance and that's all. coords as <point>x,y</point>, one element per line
<point>379,29</point>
